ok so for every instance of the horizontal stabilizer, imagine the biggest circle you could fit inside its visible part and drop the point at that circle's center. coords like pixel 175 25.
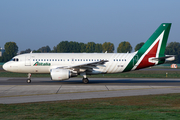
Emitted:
pixel 167 58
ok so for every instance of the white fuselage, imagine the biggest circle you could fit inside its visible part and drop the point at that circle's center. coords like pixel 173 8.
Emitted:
pixel 44 62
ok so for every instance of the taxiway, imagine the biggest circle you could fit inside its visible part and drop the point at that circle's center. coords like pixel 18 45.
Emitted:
pixel 16 90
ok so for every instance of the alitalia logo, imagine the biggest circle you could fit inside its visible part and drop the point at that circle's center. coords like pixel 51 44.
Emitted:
pixel 42 64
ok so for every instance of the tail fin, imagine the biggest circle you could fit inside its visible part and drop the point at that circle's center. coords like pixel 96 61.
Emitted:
pixel 157 41
pixel 153 48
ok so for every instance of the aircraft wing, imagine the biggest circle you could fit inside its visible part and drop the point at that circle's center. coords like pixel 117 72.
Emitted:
pixel 89 65
pixel 86 66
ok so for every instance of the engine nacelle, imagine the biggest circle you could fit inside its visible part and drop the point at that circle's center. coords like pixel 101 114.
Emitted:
pixel 61 74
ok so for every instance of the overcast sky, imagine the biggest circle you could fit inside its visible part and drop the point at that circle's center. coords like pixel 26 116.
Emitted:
pixel 37 23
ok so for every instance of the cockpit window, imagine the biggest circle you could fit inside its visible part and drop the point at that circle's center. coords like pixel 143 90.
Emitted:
pixel 15 59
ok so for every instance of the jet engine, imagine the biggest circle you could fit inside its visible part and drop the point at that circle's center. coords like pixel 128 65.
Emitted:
pixel 62 74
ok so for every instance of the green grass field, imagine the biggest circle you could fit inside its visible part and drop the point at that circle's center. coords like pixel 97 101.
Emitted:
pixel 152 107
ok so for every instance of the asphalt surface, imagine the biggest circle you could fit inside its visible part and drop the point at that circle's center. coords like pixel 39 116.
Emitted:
pixel 92 81
pixel 16 90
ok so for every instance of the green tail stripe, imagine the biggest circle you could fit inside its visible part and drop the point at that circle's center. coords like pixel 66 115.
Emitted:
pixel 163 27
pixel 164 41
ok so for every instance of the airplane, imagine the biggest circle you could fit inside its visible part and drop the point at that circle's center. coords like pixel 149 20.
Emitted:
pixel 62 66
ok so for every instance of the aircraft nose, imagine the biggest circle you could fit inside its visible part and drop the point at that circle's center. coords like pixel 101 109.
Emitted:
pixel 5 66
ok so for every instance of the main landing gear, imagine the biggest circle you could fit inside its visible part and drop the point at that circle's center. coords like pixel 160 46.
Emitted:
pixel 85 79
pixel 29 78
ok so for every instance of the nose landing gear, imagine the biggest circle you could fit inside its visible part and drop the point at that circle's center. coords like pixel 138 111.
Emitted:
pixel 29 78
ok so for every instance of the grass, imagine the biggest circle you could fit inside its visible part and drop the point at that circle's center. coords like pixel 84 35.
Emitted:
pixel 159 107
pixel 142 74
pixel 10 74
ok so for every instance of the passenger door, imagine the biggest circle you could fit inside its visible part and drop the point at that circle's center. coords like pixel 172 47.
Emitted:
pixel 28 60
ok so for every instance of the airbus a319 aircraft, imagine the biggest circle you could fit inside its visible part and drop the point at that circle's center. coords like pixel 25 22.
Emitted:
pixel 63 66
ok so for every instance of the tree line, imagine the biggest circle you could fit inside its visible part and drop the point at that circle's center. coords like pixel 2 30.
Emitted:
pixel 11 49
pixel 75 47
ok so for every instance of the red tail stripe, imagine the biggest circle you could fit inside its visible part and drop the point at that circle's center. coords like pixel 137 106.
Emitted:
pixel 152 53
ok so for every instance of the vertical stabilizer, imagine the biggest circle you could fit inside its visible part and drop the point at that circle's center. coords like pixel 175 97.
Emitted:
pixel 158 38
pixel 153 48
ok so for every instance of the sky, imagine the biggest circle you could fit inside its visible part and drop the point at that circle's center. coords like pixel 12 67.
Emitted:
pixel 37 23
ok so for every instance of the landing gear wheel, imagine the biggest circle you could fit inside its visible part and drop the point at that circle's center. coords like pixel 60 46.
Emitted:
pixel 29 78
pixel 85 80
pixel 28 81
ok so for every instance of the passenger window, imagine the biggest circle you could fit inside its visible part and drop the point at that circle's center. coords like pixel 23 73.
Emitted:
pixel 116 59
pixel 44 59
